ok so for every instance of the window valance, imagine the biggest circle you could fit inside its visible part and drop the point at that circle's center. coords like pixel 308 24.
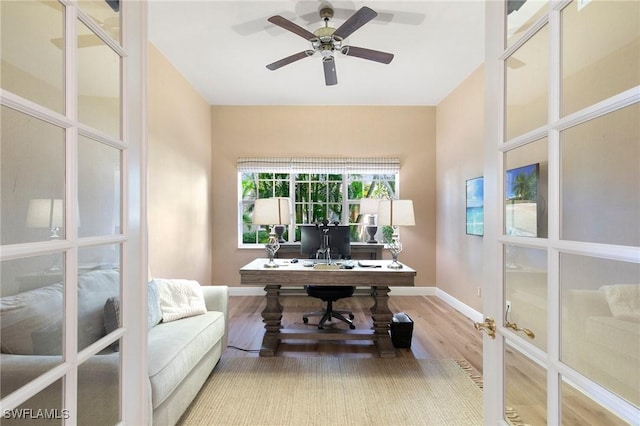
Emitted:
pixel 363 165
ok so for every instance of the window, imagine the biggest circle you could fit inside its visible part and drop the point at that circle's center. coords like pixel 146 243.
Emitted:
pixel 319 189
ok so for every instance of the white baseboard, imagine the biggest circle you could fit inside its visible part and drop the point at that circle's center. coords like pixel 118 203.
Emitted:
pixel 246 291
pixel 465 310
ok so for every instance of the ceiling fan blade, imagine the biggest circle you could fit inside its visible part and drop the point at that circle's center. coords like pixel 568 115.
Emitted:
pixel 356 20
pixel 289 59
pixel 290 26
pixel 84 40
pixel 372 55
pixel 330 76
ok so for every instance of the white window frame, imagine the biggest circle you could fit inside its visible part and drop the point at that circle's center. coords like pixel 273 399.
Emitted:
pixel 346 167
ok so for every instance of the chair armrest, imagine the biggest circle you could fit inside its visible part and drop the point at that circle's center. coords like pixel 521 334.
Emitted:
pixel 216 298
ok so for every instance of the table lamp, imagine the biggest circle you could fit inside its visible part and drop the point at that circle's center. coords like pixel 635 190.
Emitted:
pixel 271 212
pixel 395 213
pixel 369 206
pixel 46 213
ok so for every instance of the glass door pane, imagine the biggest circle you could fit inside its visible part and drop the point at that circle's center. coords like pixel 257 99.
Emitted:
pixel 32 411
pixel 578 410
pixel 98 284
pixel 98 188
pixel 522 15
pixel 105 13
pixel 600 51
pixel 525 390
pixel 525 285
pixel 31 198
pixel 35 27
pixel 99 102
pixel 600 179
pixel 601 322
pixel 31 318
pixel 527 86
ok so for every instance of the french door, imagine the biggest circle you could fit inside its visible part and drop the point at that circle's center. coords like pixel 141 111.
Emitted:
pixel 72 211
pixel 562 226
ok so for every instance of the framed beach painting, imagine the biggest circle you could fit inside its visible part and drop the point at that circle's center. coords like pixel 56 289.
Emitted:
pixel 521 201
pixel 475 206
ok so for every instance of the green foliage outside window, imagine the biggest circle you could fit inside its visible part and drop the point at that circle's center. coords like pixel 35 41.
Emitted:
pixel 316 196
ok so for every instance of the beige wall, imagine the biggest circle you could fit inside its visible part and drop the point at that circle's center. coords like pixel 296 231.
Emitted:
pixel 459 155
pixel 404 132
pixel 179 175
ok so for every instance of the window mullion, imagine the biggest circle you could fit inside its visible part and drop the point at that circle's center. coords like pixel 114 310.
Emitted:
pixel 292 197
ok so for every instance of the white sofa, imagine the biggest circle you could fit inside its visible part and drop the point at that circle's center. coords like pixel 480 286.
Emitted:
pixel 181 353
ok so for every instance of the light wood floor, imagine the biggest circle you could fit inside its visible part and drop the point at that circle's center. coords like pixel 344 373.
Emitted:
pixel 439 332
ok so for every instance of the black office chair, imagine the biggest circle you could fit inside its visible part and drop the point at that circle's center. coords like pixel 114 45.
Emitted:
pixel 330 295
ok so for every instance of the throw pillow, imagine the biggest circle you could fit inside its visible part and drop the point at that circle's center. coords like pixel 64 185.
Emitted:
pixel 623 300
pixel 112 318
pixel 180 299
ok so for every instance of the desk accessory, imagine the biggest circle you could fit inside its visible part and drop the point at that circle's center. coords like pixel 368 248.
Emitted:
pixel 369 206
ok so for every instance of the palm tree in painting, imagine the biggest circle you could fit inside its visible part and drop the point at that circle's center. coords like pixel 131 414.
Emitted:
pixel 524 186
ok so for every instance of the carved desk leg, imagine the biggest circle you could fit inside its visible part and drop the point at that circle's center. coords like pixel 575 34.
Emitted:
pixel 272 318
pixel 381 319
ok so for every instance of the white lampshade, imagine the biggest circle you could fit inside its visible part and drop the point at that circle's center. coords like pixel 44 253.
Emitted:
pixel 271 211
pixel 396 213
pixel 369 205
pixel 45 213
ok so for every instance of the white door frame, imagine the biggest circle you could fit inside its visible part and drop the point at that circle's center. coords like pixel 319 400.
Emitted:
pixel 492 302
pixel 494 238
pixel 134 395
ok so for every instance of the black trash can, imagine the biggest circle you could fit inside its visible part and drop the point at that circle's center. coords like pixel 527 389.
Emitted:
pixel 401 330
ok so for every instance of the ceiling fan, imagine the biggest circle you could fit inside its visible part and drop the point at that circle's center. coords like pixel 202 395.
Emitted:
pixel 327 40
pixel 110 25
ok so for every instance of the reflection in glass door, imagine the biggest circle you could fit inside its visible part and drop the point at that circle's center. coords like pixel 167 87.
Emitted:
pixel 63 218
pixel 566 137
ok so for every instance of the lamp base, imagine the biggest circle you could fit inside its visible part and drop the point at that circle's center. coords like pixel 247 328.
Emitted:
pixel 394 265
pixel 271 248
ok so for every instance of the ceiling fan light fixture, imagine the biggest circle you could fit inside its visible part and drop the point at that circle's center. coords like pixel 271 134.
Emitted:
pixel 327 39
pixel 324 33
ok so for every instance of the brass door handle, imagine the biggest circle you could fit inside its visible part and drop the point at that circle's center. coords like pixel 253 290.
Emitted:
pixel 530 334
pixel 489 326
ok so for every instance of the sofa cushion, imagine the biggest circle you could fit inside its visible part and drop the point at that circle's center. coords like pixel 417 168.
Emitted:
pixel 623 300
pixel 180 298
pixel 176 347
pixel 36 315
pixel 47 340
pixel 25 313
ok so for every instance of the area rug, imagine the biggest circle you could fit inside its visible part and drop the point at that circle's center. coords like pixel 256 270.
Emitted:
pixel 336 391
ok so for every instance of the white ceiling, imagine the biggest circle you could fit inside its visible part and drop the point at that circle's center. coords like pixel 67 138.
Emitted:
pixel 222 48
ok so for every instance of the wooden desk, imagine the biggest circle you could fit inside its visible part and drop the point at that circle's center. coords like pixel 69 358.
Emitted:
pixel 296 274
